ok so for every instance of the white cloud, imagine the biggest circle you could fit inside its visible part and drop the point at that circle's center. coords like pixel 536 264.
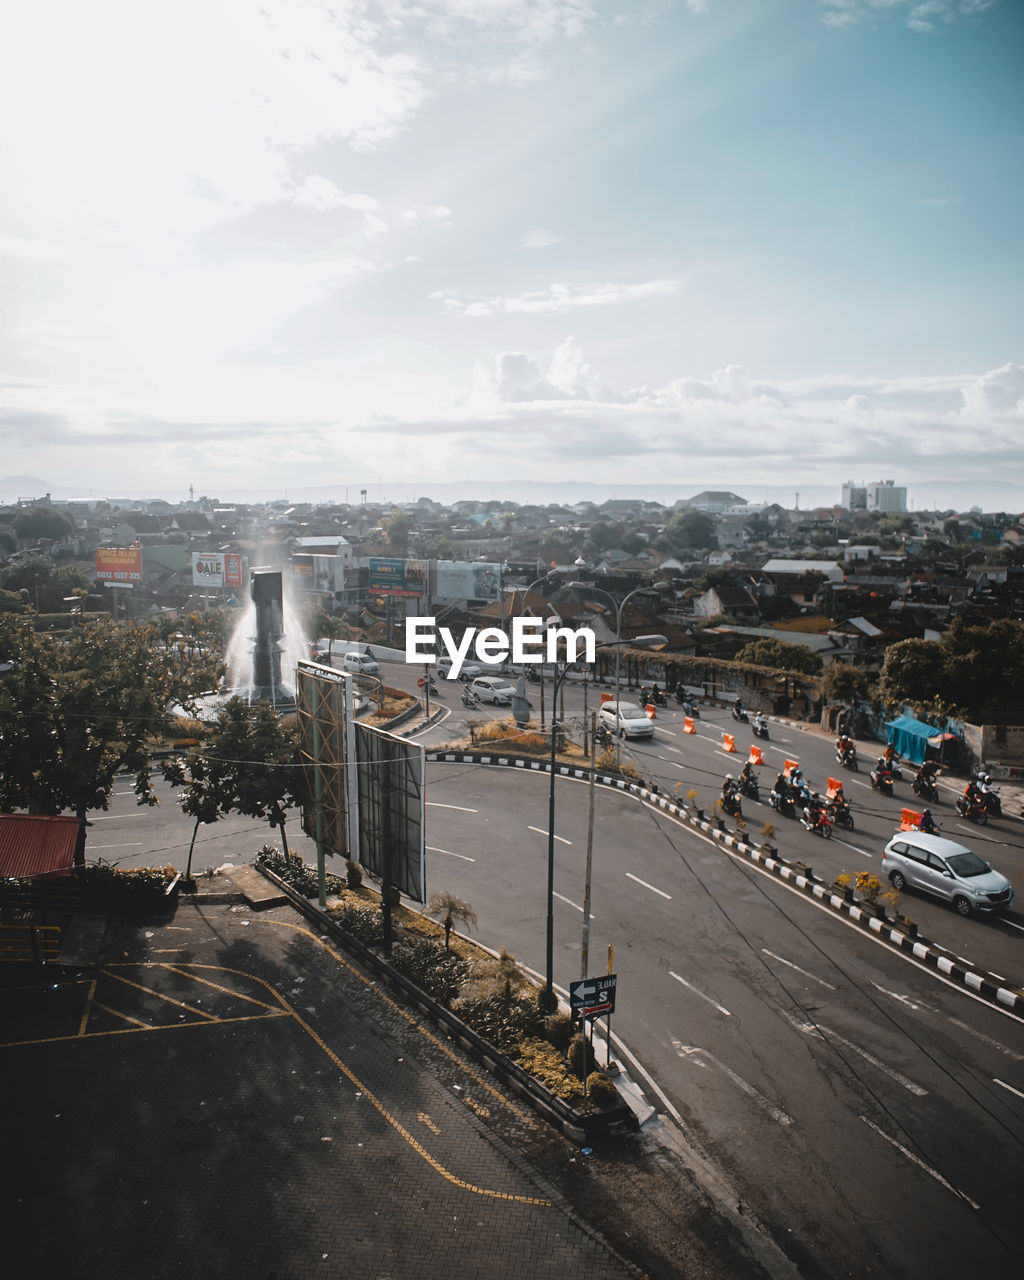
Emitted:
pixel 556 298
pixel 540 238
pixel 919 15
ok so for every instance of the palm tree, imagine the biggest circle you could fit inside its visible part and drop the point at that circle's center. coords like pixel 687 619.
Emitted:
pixel 450 910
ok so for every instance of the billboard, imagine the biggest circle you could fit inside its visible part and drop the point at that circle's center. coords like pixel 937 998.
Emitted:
pixel 391 809
pixel 323 716
pixel 318 573
pixel 119 564
pixel 462 580
pixel 216 569
pixel 398 577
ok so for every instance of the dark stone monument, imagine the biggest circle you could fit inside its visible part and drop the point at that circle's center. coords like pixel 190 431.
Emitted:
pixel 266 592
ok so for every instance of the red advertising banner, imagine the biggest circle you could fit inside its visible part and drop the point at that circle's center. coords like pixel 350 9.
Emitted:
pixel 232 570
pixel 119 564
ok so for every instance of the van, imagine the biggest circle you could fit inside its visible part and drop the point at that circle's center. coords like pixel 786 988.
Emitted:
pixel 360 664
pixel 946 870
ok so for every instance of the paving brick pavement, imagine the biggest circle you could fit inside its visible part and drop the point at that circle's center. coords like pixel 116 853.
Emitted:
pixel 227 1096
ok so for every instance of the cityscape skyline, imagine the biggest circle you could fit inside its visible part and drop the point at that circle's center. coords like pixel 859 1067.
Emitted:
pixel 768 243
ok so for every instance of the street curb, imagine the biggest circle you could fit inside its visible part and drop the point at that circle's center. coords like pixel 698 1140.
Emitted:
pixel 611 1123
pixel 989 986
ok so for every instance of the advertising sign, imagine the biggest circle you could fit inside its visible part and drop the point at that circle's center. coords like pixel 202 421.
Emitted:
pixel 398 577
pixel 119 564
pixel 216 569
pixel 461 580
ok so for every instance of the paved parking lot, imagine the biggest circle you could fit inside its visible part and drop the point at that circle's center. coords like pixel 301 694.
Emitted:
pixel 227 1095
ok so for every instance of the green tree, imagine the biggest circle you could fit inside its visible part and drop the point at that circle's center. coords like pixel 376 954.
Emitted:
pixel 42 522
pixel 449 911
pixel 984 669
pixel 76 712
pixel 914 672
pixel 249 764
pixel 777 653
pixel 689 531
pixel 844 683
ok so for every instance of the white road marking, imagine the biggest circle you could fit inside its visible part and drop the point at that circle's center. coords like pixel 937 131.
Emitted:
pixel 668 732
pixel 132 844
pixel 1013 925
pixel 1002 1083
pixel 846 845
pixel 823 1033
pixel 541 832
pixel 920 1007
pixel 791 965
pixel 114 817
pixel 857 783
pixel 674 749
pixel 690 987
pixel 689 1050
pixel 435 804
pixel 631 876
pixel 569 903
pixel 920 1163
pixel 448 853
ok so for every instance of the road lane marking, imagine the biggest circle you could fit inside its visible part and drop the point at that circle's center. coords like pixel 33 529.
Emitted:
pixel 432 848
pixel 541 832
pixel 823 1033
pixel 1002 1083
pixel 675 749
pixel 116 817
pixel 1013 925
pixel 130 844
pixel 920 1163
pixel 436 804
pixel 846 845
pixel 791 965
pixel 690 987
pixel 569 903
pixel 919 1006
pixel 690 1050
pixel 631 876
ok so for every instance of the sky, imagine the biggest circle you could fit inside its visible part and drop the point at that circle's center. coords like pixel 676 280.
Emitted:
pixel 314 248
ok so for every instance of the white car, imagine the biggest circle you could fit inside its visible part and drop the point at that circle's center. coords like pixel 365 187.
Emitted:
pixel 626 719
pixel 467 671
pixel 946 869
pixel 359 662
pixel 494 689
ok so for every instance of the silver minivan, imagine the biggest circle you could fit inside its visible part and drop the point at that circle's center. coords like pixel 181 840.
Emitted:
pixel 946 869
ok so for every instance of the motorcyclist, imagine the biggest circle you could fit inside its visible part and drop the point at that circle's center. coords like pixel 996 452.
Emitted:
pixel 747 773
pixel 927 772
pixel 928 823
pixel 974 793
pixel 844 746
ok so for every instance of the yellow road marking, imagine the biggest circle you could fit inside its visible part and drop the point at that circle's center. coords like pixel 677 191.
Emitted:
pixel 91 995
pixel 147 1026
pixel 170 999
pixel 217 987
pixel 439 1044
pixel 423 1118
pixel 132 1031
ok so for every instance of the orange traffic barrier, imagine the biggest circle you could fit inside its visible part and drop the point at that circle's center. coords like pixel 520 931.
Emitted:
pixel 755 755
pixel 728 742
pixel 688 725
pixel 789 765
pixel 607 697
pixel 652 713
pixel 910 819
pixel 834 788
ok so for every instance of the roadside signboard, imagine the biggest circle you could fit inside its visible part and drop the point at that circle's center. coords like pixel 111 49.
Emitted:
pixel 592 996
pixel 119 565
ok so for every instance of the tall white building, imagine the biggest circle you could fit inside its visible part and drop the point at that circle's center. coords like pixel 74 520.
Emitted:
pixel 885 496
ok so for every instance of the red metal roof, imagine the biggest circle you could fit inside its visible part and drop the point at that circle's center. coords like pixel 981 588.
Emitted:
pixel 32 845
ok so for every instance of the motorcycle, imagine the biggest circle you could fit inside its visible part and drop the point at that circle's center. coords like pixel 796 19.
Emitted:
pixel 881 780
pixel 739 714
pixel 839 814
pixel 990 798
pixel 657 697
pixel 731 804
pixel 972 810
pixel 926 789
pixel 816 820
pixel 782 804
pixel 750 788
pixel 847 759
pixel 603 737
pixel 690 709
pixel 760 727
pixel 469 698
pixel 894 768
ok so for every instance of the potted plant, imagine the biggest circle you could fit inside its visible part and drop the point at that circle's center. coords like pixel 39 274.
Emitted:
pixel 767 836
pixel 691 800
pixel 844 883
pixel 870 887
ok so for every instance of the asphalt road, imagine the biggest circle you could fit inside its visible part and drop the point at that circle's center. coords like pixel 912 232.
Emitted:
pixel 870 1115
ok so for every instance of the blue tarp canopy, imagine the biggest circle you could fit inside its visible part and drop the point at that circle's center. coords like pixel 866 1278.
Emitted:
pixel 910 737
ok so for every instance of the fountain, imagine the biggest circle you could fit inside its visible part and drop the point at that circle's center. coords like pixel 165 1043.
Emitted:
pixel 267 639
pixel 260 642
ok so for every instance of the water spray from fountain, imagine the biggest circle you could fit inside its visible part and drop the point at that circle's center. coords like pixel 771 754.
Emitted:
pixel 267 642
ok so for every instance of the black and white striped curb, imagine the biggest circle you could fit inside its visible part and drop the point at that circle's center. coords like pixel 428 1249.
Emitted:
pixel 988 986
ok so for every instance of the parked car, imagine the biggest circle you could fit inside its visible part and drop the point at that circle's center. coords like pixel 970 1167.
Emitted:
pixel 626 719
pixel 947 870
pixel 494 689
pixel 467 671
pixel 361 664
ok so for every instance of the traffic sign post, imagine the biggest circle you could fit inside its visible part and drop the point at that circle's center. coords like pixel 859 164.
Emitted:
pixel 591 996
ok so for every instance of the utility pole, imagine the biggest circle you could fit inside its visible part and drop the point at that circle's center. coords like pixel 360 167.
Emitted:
pixel 585 947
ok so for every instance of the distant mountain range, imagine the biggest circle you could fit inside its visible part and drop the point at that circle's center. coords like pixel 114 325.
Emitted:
pixel 928 495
